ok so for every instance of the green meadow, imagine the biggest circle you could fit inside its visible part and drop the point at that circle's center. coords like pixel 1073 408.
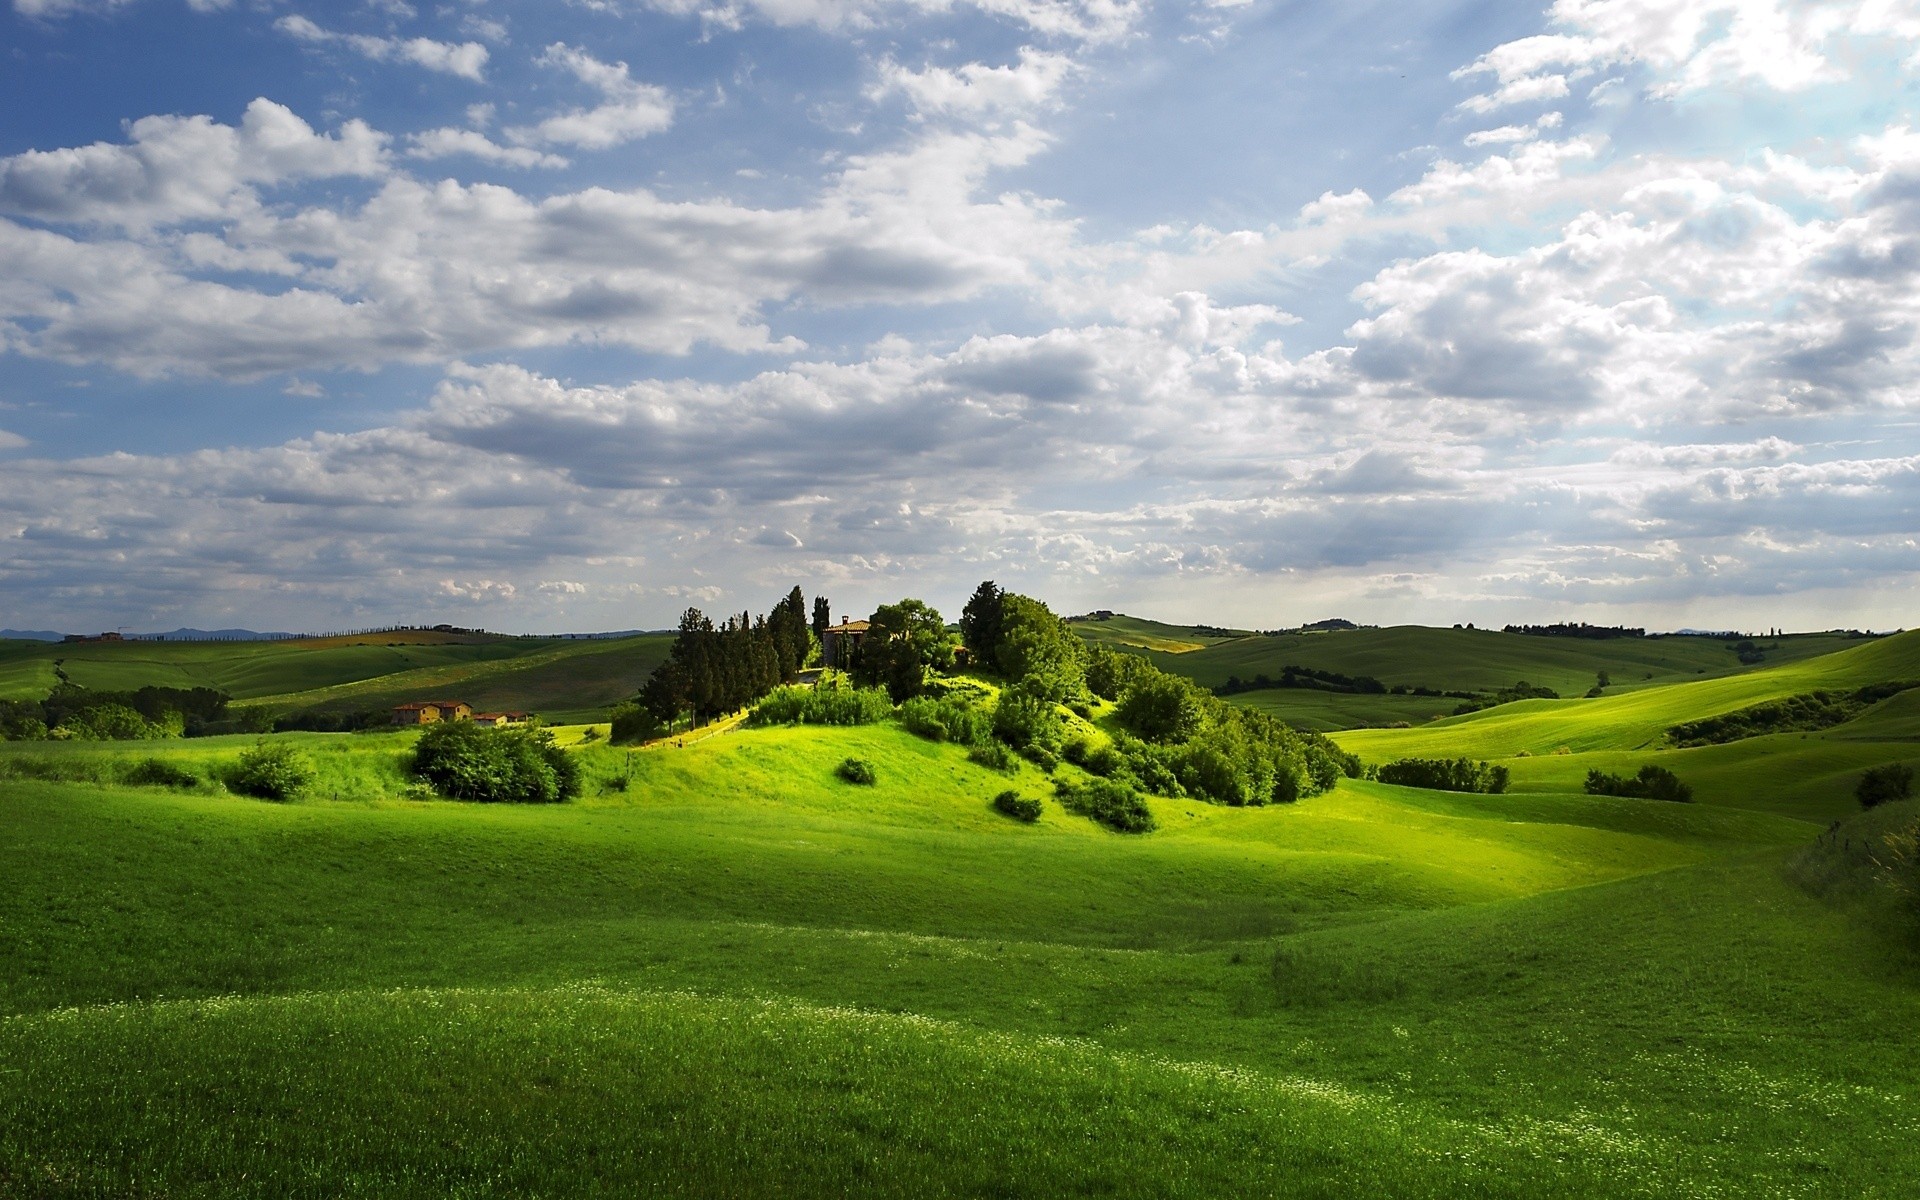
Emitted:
pixel 724 971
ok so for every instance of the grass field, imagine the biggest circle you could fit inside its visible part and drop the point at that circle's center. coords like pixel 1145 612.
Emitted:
pixel 724 972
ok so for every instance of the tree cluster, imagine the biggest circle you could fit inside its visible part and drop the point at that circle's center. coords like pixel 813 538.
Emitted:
pixel 1651 783
pixel 1444 774
pixel 73 711
pixel 716 669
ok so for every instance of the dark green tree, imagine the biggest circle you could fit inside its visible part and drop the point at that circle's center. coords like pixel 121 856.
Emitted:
pixel 980 625
pixel 902 641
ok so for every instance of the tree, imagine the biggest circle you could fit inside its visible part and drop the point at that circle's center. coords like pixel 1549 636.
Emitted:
pixel 822 618
pixel 791 640
pixel 1038 648
pixel 980 624
pixel 902 641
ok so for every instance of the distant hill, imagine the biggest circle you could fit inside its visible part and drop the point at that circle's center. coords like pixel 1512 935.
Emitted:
pixel 30 635
pixel 216 635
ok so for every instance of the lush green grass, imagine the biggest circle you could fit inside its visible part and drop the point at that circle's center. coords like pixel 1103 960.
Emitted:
pixel 723 971
pixel 563 678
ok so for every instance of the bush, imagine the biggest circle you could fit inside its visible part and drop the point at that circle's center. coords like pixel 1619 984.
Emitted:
pixel 949 719
pixel 1021 719
pixel 1162 708
pixel 1878 785
pixel 1020 808
pixel 856 770
pixel 1444 774
pixel 633 723
pixel 270 771
pixel 1040 757
pixel 994 757
pixel 1652 783
pixel 1112 804
pixel 463 761
pixel 158 772
pixel 822 706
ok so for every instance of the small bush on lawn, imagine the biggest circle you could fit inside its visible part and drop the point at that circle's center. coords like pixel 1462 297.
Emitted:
pixel 1445 774
pixel 1652 783
pixel 632 723
pixel 994 757
pixel 1114 805
pixel 158 772
pixel 856 770
pixel 1020 808
pixel 270 771
pixel 1894 781
pixel 463 761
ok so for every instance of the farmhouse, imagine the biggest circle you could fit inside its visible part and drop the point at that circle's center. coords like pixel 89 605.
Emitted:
pixel 842 643
pixel 428 712
pixel 497 719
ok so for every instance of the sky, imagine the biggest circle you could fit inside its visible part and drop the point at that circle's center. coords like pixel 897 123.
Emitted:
pixel 567 316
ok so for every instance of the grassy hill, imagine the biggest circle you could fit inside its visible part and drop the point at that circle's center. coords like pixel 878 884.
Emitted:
pixel 1549 745
pixel 1141 634
pixel 565 679
pixel 724 971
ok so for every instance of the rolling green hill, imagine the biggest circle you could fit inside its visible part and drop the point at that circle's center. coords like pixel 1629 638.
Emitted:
pixel 1141 634
pixel 1807 774
pixel 723 971
pixel 562 678
pixel 1484 660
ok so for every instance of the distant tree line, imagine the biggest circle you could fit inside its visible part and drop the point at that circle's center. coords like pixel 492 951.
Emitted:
pixel 1579 629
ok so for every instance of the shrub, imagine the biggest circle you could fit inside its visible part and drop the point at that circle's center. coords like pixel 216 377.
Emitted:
pixel 1894 781
pixel 1445 774
pixel 270 771
pixel 1077 751
pixel 1652 783
pixel 1020 808
pixel 1021 719
pixel 1112 804
pixel 856 770
pixel 949 719
pixel 994 757
pixel 1040 757
pixel 463 761
pixel 822 706
pixel 158 772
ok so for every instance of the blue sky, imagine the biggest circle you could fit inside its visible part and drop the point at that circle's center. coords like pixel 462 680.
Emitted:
pixel 565 316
